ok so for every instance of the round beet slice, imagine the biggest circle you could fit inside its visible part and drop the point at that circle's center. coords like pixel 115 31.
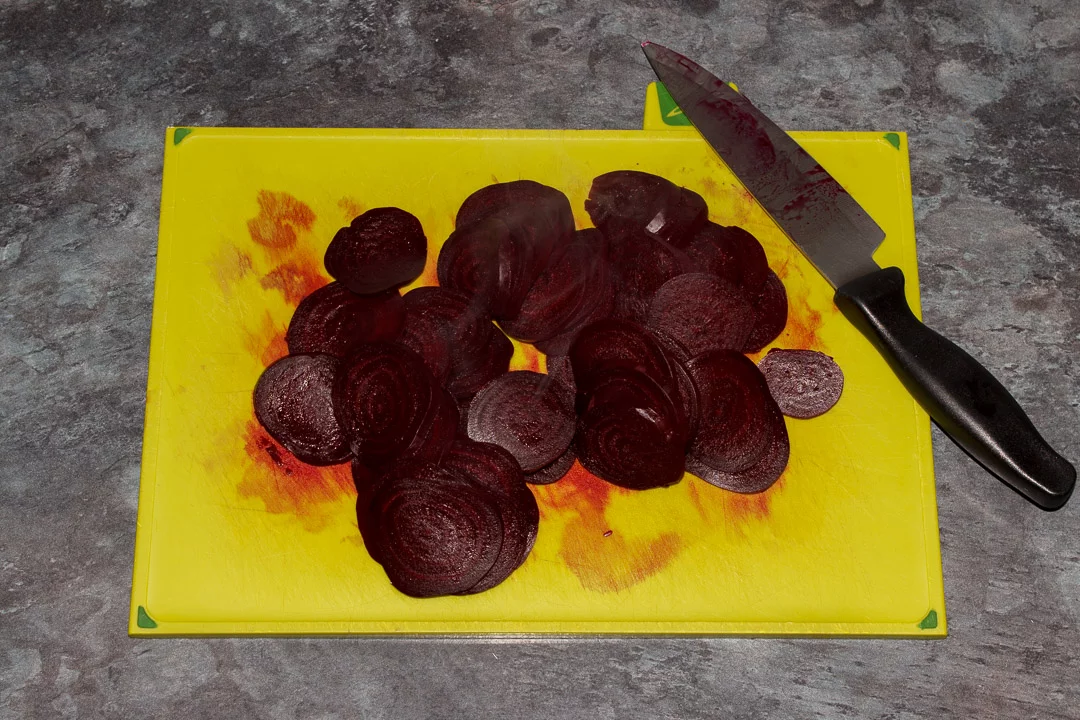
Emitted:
pixel 383 398
pixel 438 430
pixel 629 447
pixel 569 289
pixel 730 253
pixel 367 483
pixel 382 249
pixel 527 415
pixel 738 418
pixel 650 203
pixel 293 402
pixel 770 314
pixel 701 312
pixel 640 265
pixel 435 532
pixel 333 320
pixel 471 368
pixel 609 344
pixel 630 388
pixel 560 372
pixel 549 205
pixel 804 383
pixel 757 478
pixel 555 471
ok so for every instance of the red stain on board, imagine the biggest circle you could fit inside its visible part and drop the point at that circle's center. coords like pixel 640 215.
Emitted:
pixel 286 485
pixel 295 280
pixel 280 216
pixel 265 340
pixel 602 558
pixel 351 208
pixel 230 266
pixel 526 357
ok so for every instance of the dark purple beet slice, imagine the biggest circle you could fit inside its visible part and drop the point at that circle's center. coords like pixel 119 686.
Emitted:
pixel 293 403
pixel 382 249
pixel 626 387
pixel 569 289
pixel 494 468
pixel 438 430
pixel 650 203
pixel 555 471
pixel 549 207
pixel 559 345
pixel 804 383
pixel 560 372
pixel 629 447
pixel 609 344
pixel 770 314
pixel 702 313
pixel 469 263
pixel 333 320
pixel 435 532
pixel 525 414
pixel 383 397
pixel 367 483
pixel 640 265
pixel 472 368
pixel 732 254
pixel 738 419
pixel 757 478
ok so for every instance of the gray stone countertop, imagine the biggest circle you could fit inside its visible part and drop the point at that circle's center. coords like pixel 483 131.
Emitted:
pixel 988 91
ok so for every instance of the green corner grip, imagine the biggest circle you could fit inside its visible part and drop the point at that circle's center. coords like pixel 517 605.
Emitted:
pixel 670 112
pixel 143 620
pixel 894 140
pixel 179 134
pixel 927 623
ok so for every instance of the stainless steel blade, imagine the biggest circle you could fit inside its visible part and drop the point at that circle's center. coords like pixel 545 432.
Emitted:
pixel 814 210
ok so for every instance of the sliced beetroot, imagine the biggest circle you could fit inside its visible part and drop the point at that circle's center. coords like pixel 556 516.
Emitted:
pixel 560 372
pixel 738 418
pixel 438 430
pixel 610 344
pixel 640 265
pixel 293 402
pixel 629 446
pixel 770 314
pixel 333 320
pixel 804 383
pixel 559 345
pixel 625 387
pixel 494 468
pixel 757 478
pixel 367 483
pixel 471 368
pixel 549 207
pixel 731 253
pixel 382 249
pixel 571 287
pixel 526 415
pixel 434 531
pixel 384 397
pixel 651 204
pixel 702 313
pixel 555 471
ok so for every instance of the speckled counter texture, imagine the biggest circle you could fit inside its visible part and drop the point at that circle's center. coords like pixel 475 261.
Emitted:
pixel 988 91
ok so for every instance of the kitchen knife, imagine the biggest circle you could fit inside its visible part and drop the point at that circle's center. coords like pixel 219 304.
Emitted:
pixel 834 232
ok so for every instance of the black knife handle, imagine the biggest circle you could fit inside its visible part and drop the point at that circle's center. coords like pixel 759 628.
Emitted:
pixel 962 397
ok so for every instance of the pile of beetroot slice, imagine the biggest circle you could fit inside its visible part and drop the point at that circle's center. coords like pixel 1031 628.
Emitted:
pixel 645 320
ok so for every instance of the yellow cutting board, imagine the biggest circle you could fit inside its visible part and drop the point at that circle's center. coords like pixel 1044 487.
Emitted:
pixel 235 537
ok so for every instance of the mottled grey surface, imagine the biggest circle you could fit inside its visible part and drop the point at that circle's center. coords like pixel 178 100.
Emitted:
pixel 987 89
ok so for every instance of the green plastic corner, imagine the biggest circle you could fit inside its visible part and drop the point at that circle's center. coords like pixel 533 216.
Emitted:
pixel 930 621
pixel 670 112
pixel 179 134
pixel 894 140
pixel 142 619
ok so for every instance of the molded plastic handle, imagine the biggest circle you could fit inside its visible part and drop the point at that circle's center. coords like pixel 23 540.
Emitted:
pixel 962 397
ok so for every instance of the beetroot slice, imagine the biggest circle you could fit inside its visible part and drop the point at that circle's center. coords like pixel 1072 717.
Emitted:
pixel 612 343
pixel 382 249
pixel 640 265
pixel 526 415
pixel 625 387
pixel 438 430
pixel 435 532
pixel 383 398
pixel 629 447
pixel 738 419
pixel 333 320
pixel 770 314
pixel 702 312
pixel 293 403
pixel 732 254
pixel 757 478
pixel 804 383
pixel 473 367
pixel 568 290
pixel 560 372
pixel 492 467
pixel 367 483
pixel 554 471
pixel 651 204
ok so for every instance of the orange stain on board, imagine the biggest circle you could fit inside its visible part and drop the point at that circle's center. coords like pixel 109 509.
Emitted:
pixel 286 485
pixel 265 340
pixel 603 558
pixel 351 208
pixel 280 216
pixel 525 357
pixel 295 280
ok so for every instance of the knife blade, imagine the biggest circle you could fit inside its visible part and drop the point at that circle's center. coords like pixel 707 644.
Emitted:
pixel 839 238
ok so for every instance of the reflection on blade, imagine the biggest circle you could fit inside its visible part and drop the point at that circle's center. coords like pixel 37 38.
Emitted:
pixel 815 211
